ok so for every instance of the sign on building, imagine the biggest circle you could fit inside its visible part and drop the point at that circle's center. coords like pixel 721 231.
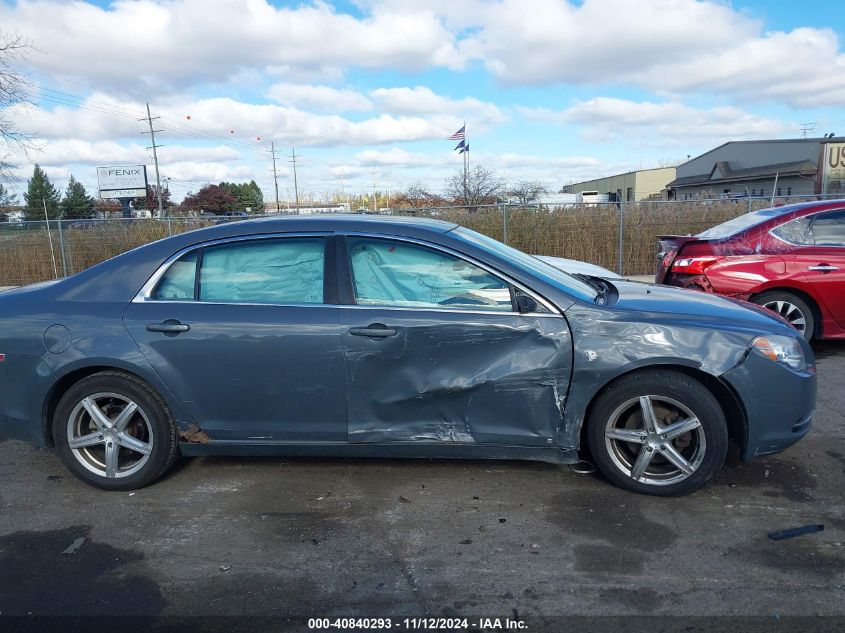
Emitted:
pixel 122 181
pixel 833 173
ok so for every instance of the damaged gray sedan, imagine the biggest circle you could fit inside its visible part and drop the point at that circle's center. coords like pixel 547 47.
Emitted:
pixel 359 336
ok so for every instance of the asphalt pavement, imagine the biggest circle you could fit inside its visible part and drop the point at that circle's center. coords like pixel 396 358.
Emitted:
pixel 268 536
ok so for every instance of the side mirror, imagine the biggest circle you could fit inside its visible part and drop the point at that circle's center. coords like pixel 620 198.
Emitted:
pixel 524 303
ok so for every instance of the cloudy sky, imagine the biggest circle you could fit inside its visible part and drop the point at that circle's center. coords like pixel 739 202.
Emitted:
pixel 368 91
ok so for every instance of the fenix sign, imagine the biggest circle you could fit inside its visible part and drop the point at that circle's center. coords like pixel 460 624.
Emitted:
pixel 122 181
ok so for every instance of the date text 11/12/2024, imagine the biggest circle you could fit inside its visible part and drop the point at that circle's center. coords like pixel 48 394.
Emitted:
pixel 418 624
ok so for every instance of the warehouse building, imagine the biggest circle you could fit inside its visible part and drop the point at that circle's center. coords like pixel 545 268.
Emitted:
pixel 802 167
pixel 631 186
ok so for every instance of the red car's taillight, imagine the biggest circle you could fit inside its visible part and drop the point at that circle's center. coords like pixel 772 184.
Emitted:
pixel 692 265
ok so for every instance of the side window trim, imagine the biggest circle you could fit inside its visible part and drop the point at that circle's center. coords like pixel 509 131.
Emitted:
pixel 347 291
pixel 145 294
pixel 197 271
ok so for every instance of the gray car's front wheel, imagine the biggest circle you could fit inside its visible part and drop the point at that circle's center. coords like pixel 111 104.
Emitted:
pixel 113 431
pixel 658 432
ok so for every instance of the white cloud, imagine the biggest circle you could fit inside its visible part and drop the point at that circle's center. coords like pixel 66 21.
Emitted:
pixel 422 100
pixel 76 151
pixel 666 46
pixel 322 98
pixel 613 120
pixel 143 44
pixel 395 157
pixel 227 121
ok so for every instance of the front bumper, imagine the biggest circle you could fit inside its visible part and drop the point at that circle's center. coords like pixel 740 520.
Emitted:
pixel 779 403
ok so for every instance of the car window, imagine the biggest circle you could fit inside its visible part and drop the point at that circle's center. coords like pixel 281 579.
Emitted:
pixel 828 229
pixel 263 271
pixel 390 273
pixel 537 268
pixel 745 221
pixel 795 232
pixel 177 284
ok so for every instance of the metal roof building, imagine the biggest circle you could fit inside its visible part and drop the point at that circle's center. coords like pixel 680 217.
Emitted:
pixel 784 167
pixel 630 186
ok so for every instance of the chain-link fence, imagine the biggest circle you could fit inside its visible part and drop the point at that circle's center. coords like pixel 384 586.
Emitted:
pixel 36 251
pixel 619 236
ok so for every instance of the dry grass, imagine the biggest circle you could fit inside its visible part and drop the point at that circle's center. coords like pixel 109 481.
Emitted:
pixel 587 233
pixel 591 233
pixel 25 253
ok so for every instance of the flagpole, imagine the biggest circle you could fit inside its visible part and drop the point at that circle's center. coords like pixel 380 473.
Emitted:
pixel 466 162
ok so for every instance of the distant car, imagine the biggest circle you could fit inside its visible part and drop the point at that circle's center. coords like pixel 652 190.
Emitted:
pixel 577 267
pixel 789 259
pixel 393 337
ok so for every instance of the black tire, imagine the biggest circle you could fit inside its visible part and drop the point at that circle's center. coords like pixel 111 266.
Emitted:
pixel 702 448
pixel 791 307
pixel 149 424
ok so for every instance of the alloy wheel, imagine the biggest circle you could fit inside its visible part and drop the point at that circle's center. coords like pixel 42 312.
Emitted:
pixel 655 440
pixel 790 312
pixel 110 435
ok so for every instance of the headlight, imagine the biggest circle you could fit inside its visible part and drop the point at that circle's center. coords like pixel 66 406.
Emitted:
pixel 785 350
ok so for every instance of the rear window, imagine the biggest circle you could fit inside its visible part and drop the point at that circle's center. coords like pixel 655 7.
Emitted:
pixel 732 227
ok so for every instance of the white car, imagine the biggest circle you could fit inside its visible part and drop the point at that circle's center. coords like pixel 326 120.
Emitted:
pixel 575 267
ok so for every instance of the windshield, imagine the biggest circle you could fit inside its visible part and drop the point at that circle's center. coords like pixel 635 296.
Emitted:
pixel 732 227
pixel 546 272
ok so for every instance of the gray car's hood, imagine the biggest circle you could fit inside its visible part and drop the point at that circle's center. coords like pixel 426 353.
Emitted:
pixel 696 306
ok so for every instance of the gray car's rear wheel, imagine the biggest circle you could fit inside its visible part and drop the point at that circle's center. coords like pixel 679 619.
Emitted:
pixel 792 308
pixel 658 432
pixel 113 431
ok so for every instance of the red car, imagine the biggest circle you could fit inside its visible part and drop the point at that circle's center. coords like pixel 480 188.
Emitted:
pixel 790 259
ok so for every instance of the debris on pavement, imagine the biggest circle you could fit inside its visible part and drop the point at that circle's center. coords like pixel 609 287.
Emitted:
pixel 74 547
pixel 799 531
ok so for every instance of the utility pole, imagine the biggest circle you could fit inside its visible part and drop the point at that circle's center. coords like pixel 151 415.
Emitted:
pixel 149 119
pixel 375 196
pixel 295 185
pixel 275 175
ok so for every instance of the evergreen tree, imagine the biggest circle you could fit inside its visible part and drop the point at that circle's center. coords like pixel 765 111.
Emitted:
pixel 38 192
pixel 76 202
pixel 248 195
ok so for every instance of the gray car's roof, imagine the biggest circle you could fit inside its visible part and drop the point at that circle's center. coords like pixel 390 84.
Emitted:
pixel 326 222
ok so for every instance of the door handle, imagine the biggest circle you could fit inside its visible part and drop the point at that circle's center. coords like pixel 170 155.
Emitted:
pixel 376 330
pixel 824 268
pixel 168 327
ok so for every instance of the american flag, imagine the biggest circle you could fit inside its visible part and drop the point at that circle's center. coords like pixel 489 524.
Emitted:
pixel 458 136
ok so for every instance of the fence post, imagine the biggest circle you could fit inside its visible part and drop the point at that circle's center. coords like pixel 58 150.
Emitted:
pixel 62 247
pixel 169 229
pixel 621 235
pixel 504 222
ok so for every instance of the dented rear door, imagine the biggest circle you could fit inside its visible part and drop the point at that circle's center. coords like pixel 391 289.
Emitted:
pixel 455 373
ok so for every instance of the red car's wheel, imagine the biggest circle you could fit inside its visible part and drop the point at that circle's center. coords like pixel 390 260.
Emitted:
pixel 792 308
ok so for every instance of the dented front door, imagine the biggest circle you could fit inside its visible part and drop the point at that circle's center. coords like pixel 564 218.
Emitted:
pixel 456 377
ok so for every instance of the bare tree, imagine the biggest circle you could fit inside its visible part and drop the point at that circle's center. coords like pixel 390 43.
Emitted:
pixel 527 192
pixel 481 186
pixel 13 91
